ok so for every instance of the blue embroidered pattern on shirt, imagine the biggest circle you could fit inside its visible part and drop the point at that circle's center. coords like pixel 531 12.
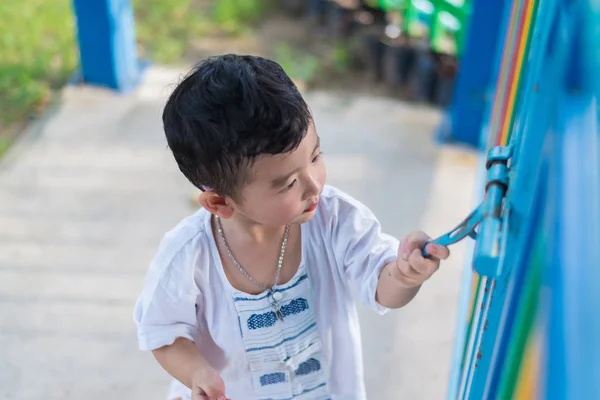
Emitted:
pixel 269 319
pixel 308 366
pixel 265 320
pixel 295 307
pixel 271 379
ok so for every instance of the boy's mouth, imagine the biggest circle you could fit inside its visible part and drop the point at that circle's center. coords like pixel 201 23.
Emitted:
pixel 311 208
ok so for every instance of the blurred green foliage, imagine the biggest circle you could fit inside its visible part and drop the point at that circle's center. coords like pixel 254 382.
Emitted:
pixel 38 49
pixel 5 143
pixel 300 66
pixel 235 16
pixel 37 54
pixel 165 28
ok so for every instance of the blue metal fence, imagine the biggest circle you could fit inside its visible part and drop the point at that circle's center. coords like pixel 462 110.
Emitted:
pixel 107 45
pixel 535 329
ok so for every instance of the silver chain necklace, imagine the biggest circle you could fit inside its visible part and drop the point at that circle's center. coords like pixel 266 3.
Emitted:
pixel 274 297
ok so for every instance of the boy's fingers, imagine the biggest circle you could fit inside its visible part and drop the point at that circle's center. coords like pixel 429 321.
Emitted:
pixel 200 394
pixel 422 265
pixel 414 240
pixel 210 393
pixel 215 394
pixel 438 251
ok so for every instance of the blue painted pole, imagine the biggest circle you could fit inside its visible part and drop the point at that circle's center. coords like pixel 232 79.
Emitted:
pixel 541 91
pixel 475 82
pixel 559 77
pixel 107 45
pixel 474 132
pixel 572 355
pixel 573 278
pixel 528 140
pixel 464 306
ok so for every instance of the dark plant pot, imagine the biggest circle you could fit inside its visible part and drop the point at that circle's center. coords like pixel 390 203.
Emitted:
pixel 399 61
pixel 423 78
pixel 358 30
pixel 317 12
pixel 365 42
pixel 294 8
pixel 339 21
pixel 444 90
pixel 378 14
pixel 446 72
pixel 356 50
pixel 375 50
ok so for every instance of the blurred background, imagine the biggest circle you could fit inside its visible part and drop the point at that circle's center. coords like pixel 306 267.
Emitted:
pixel 405 99
pixel 333 44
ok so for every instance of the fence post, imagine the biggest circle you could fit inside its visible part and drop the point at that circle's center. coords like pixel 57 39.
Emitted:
pixel 535 330
pixel 474 85
pixel 107 44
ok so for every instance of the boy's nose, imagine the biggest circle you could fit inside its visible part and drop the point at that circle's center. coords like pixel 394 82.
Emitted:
pixel 313 188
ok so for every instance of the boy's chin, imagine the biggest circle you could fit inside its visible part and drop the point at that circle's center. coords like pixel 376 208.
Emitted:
pixel 305 217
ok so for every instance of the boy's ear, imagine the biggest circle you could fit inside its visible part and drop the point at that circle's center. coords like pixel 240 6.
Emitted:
pixel 215 204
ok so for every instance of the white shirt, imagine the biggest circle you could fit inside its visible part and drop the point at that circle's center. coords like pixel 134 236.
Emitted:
pixel 186 294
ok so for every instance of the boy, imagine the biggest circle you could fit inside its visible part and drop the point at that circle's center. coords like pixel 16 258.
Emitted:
pixel 250 297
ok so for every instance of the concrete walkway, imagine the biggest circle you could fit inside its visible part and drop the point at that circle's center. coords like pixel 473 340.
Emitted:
pixel 87 194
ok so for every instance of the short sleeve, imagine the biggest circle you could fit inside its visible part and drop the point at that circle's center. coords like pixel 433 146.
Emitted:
pixel 362 250
pixel 166 308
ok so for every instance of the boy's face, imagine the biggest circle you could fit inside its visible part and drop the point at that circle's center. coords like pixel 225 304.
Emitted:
pixel 285 188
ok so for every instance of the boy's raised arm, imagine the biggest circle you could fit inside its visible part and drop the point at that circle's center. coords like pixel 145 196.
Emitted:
pixel 383 272
pixel 401 279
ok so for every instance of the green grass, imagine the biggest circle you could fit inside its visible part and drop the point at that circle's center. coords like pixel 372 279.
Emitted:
pixel 299 65
pixel 38 49
pixel 37 54
pixel 310 68
pixel 4 145
pixel 166 28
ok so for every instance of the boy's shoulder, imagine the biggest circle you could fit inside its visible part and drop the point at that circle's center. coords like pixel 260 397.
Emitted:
pixel 186 234
pixel 336 203
pixel 333 193
pixel 339 211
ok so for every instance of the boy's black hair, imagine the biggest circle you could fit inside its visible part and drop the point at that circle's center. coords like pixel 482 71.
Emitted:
pixel 229 110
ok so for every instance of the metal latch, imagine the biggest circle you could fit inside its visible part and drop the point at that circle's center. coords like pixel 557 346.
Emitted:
pixel 487 216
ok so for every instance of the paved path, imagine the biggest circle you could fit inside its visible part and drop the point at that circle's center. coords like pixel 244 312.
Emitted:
pixel 87 195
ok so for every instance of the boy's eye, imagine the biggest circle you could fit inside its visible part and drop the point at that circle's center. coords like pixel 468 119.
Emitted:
pixel 317 157
pixel 291 185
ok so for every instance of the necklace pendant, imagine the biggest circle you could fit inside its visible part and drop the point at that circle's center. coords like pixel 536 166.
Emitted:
pixel 275 303
pixel 277 309
pixel 279 314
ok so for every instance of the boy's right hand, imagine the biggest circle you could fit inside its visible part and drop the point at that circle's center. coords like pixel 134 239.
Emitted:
pixel 207 384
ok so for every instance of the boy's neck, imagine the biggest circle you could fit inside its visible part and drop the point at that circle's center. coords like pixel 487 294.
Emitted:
pixel 247 232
